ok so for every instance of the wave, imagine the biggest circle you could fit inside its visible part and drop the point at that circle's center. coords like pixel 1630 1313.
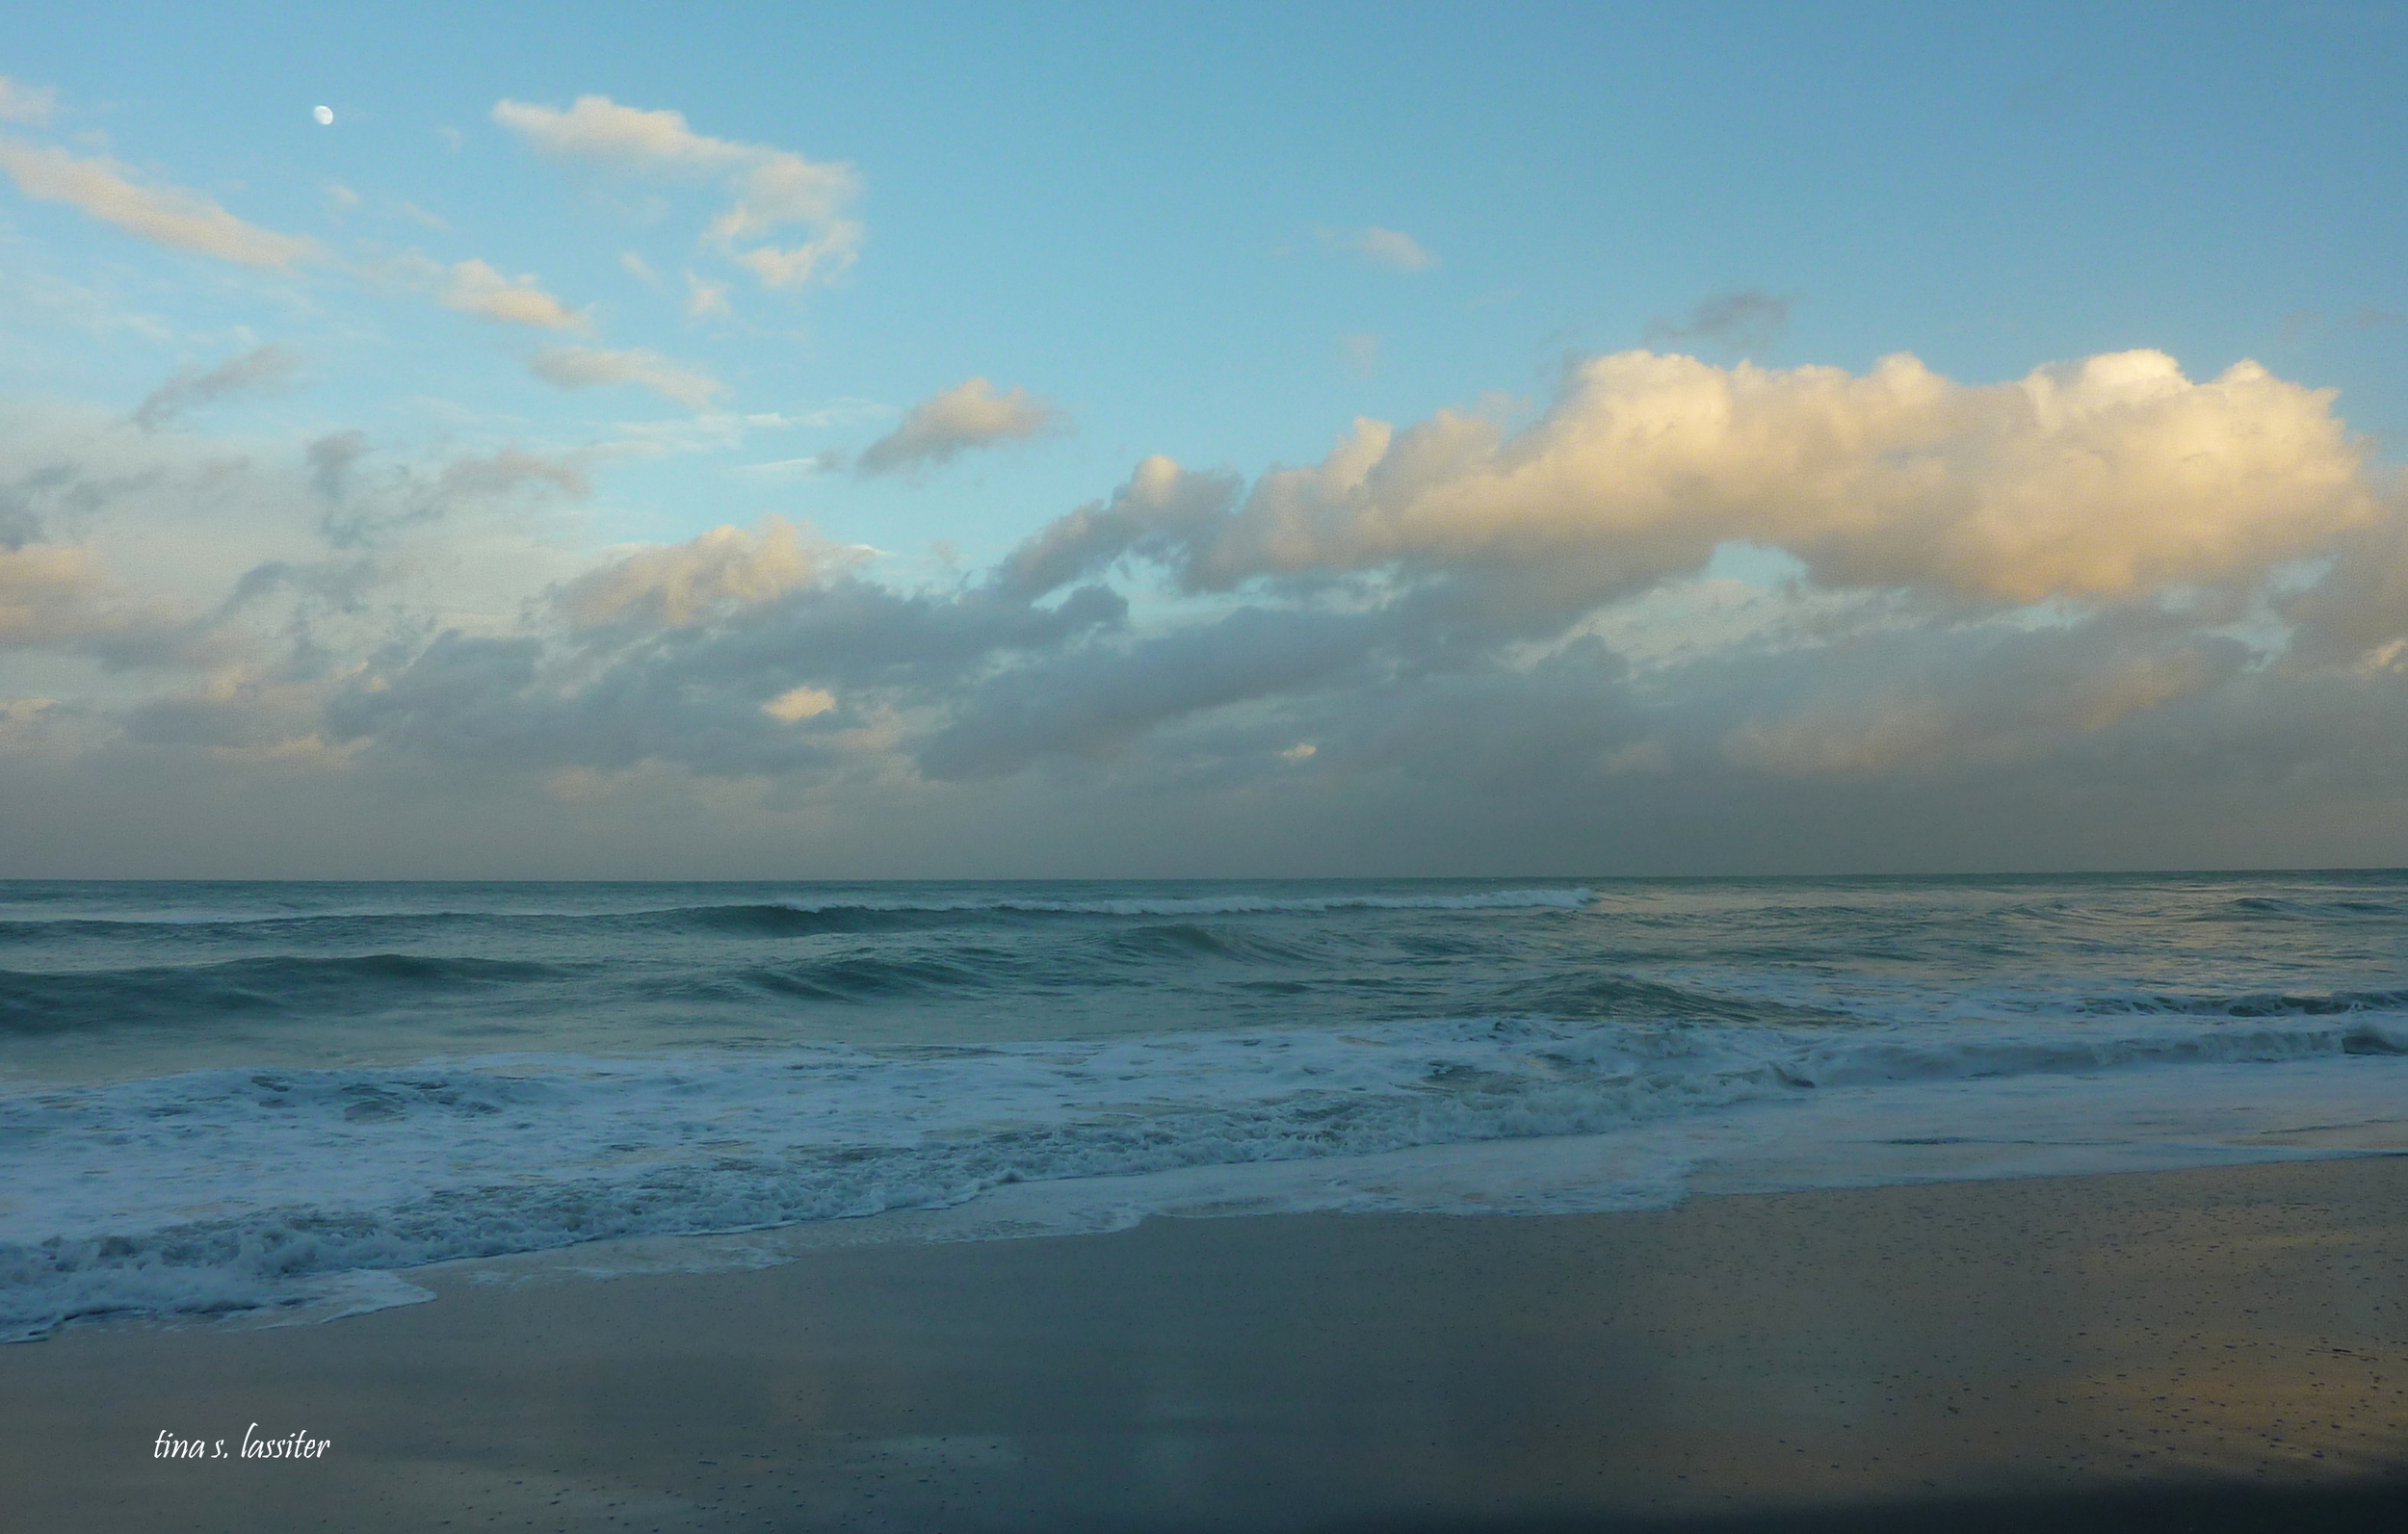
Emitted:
pixel 2247 1005
pixel 798 916
pixel 308 1174
pixel 2269 908
pixel 1629 996
pixel 855 914
pixel 56 1001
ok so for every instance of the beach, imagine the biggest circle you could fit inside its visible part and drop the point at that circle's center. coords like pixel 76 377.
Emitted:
pixel 2204 1348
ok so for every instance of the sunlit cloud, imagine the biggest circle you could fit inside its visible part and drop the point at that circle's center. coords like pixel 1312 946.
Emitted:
pixel 476 287
pixel 772 189
pixel 968 416
pixel 2114 478
pixel 1387 247
pixel 585 366
pixel 725 570
pixel 164 215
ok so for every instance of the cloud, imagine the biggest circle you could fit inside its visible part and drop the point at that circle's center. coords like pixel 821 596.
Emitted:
pixel 1160 513
pixel 264 370
pixel 2111 480
pixel 2357 610
pixel 798 704
pixel 364 502
pixel 177 593
pixel 944 426
pixel 1746 320
pixel 772 189
pixel 706 300
pixel 26 104
pixel 47 594
pixel 584 367
pixel 707 655
pixel 168 216
pixel 792 266
pixel 2300 323
pixel 1388 247
pixel 723 570
pixel 475 287
pixel 1094 701
pixel 2012 619
pixel 598 129
pixel 1360 353
pixel 1991 694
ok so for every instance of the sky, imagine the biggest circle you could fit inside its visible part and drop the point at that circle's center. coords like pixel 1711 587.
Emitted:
pixel 903 441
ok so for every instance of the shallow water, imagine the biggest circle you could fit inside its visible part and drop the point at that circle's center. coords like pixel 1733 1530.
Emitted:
pixel 221 1096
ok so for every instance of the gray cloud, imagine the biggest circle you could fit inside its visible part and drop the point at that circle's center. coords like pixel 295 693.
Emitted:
pixel 1451 646
pixel 704 694
pixel 364 503
pixel 1745 320
pixel 1095 699
pixel 266 370
pixel 2017 624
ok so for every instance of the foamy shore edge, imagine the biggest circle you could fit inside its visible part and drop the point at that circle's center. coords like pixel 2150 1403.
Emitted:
pixel 2235 1335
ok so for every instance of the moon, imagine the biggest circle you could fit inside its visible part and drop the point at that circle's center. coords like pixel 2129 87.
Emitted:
pixel 325 117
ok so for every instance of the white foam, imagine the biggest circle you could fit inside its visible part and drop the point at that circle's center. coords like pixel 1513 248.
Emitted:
pixel 221 1190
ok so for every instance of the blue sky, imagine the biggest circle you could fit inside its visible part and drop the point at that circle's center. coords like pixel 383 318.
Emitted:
pixel 1221 243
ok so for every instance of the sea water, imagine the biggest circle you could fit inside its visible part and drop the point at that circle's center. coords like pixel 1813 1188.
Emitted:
pixel 233 1097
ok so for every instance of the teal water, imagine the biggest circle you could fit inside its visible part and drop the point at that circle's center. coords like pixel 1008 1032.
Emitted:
pixel 215 1096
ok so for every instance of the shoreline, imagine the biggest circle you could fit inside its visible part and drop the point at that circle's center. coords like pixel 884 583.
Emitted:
pixel 2218 1344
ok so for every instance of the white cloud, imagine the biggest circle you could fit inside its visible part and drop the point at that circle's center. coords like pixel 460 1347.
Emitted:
pixel 584 367
pixel 2111 480
pixel 1389 248
pixel 798 704
pixel 599 129
pixel 706 300
pixel 792 266
pixel 969 415
pixel 24 103
pixel 168 216
pixel 475 287
pixel 773 188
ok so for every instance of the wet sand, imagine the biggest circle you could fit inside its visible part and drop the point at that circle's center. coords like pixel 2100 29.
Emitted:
pixel 2223 1349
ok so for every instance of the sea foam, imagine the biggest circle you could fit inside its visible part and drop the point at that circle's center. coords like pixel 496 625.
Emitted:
pixel 221 1190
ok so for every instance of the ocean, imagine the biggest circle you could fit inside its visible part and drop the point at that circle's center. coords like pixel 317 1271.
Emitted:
pixel 263 1098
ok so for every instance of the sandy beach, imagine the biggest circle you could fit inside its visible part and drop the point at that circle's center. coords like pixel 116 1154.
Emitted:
pixel 2209 1349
